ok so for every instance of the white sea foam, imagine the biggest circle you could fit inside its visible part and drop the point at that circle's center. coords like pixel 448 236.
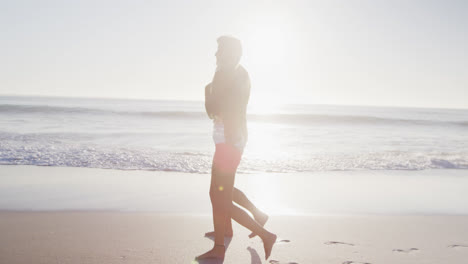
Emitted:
pixel 176 136
pixel 55 151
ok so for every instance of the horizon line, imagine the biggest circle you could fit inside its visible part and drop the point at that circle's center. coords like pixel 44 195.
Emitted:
pixel 201 101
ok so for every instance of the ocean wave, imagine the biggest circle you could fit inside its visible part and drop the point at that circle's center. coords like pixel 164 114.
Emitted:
pixel 68 154
pixel 29 109
pixel 269 118
pixel 347 119
pixel 42 109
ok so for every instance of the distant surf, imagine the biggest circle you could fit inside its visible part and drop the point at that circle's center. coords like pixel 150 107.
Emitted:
pixel 176 136
pixel 274 118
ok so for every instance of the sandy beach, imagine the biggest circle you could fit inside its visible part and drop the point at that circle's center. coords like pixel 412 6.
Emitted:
pixel 128 127
pixel 116 237
pixel 83 215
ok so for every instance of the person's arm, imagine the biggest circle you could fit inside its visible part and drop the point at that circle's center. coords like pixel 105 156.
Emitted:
pixel 209 101
pixel 215 94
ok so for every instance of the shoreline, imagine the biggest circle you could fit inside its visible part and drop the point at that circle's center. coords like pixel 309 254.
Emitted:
pixel 41 188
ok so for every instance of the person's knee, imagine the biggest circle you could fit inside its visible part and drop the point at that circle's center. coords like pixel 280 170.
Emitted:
pixel 215 192
pixel 238 194
pixel 216 195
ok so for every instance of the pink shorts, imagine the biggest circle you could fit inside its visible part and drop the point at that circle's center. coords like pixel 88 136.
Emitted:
pixel 226 157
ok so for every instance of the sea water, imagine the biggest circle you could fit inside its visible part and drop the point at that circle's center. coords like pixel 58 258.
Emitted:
pixel 177 136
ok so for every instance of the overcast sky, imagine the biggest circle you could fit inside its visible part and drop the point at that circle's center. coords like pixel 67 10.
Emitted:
pixel 391 53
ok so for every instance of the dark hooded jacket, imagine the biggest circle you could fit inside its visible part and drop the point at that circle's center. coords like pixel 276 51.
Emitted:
pixel 227 97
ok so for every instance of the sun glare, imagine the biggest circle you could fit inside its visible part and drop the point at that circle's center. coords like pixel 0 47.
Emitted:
pixel 265 44
pixel 262 103
pixel 267 195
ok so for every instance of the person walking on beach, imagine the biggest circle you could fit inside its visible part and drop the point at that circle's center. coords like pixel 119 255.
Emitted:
pixel 226 99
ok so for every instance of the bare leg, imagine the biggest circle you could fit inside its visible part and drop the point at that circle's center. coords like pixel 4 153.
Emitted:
pixel 221 199
pixel 221 202
pixel 241 199
pixel 227 229
pixel 221 194
pixel 241 217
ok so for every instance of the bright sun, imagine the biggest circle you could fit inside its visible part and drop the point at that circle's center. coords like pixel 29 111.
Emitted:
pixel 265 45
pixel 265 49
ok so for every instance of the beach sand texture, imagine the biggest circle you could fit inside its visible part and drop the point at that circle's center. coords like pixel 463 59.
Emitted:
pixel 78 215
pixel 124 237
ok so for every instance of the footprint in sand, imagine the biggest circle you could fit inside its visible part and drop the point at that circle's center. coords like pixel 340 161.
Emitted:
pixel 282 241
pixel 338 243
pixel 357 262
pixel 458 246
pixel 279 262
pixel 405 250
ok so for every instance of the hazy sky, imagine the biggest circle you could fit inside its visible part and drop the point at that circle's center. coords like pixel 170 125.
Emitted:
pixel 397 53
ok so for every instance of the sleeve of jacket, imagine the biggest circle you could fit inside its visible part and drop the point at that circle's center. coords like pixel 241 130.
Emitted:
pixel 236 107
pixel 209 101
pixel 215 95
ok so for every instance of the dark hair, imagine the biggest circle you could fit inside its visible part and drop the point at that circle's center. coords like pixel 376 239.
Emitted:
pixel 232 44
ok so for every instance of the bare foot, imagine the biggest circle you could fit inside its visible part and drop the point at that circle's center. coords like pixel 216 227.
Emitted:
pixel 261 219
pixel 268 243
pixel 212 234
pixel 217 252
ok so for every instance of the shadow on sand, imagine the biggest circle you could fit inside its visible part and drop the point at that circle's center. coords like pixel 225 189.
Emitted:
pixel 254 257
pixel 227 241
